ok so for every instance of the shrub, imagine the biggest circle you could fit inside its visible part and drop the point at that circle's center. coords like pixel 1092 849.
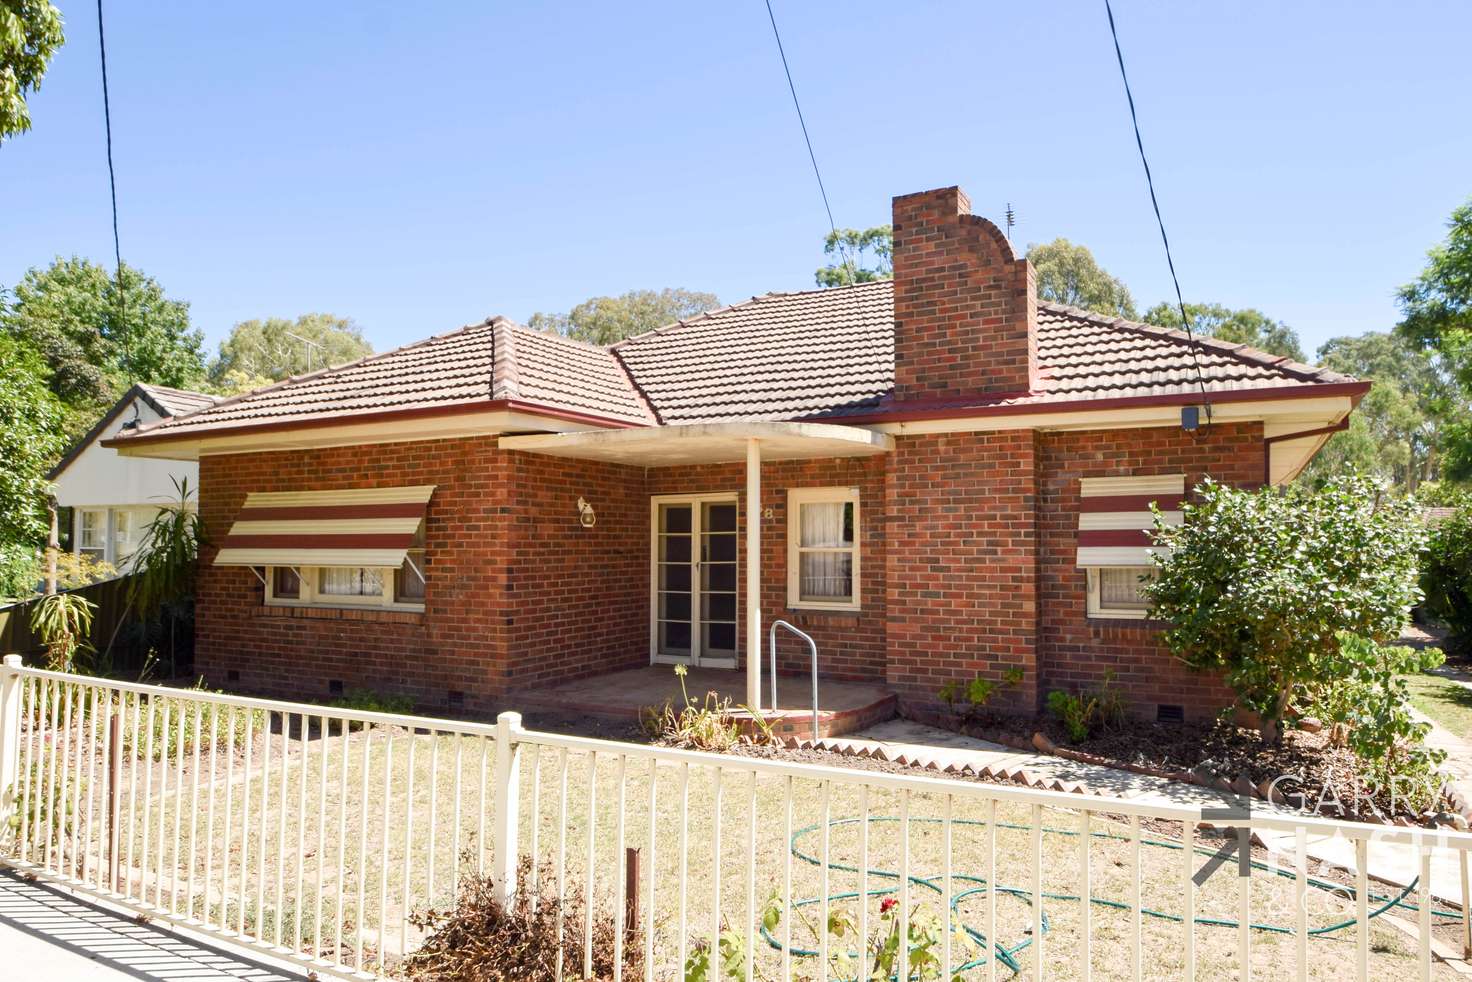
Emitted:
pixel 1260 584
pixel 706 725
pixel 1088 712
pixel 1447 575
pixel 166 743
pixel 967 701
pixel 368 701
pixel 1368 701
pixel 63 621
pixel 481 940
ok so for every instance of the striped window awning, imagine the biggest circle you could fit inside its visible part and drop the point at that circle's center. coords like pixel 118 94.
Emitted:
pixel 1114 518
pixel 356 527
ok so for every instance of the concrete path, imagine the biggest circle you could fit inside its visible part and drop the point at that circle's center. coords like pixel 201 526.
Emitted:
pixel 47 933
pixel 917 742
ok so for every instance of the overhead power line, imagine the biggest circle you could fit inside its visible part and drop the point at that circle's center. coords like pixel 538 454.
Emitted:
pixel 1155 203
pixel 112 183
pixel 832 226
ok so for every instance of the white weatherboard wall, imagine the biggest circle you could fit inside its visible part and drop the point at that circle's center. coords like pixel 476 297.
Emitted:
pixel 122 492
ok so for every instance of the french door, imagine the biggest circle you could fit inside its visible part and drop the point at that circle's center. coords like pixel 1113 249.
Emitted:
pixel 693 580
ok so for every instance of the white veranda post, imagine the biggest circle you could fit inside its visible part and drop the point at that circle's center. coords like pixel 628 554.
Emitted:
pixel 753 573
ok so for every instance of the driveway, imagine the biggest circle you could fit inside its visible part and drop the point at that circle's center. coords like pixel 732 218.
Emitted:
pixel 47 933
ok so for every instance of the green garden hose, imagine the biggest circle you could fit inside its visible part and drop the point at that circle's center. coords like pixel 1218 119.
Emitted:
pixel 1007 954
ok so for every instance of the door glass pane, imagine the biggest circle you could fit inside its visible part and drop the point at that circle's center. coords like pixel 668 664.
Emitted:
pixel 720 640
pixel 674 606
pixel 674 637
pixel 720 518
pixel 674 548
pixel 673 576
pixel 718 576
pixel 719 607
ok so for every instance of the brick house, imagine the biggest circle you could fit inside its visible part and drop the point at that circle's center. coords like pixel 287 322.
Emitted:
pixel 936 477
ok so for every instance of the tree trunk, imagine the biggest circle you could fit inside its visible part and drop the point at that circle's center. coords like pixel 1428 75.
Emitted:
pixel 53 543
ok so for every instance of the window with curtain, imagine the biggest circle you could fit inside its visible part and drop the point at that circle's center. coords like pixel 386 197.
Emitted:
pixel 1114 591
pixel 823 548
pixel 349 581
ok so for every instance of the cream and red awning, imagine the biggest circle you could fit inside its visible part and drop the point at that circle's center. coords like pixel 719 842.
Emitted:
pixel 1114 517
pixel 356 527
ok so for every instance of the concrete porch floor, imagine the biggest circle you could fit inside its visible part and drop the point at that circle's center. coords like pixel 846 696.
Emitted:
pixel 843 707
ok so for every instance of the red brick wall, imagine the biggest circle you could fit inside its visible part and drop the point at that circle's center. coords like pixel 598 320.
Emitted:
pixel 579 597
pixel 1076 650
pixel 962 561
pixel 965 310
pixel 458 643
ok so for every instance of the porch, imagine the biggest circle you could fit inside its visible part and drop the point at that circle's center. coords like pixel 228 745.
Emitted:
pixel 843 707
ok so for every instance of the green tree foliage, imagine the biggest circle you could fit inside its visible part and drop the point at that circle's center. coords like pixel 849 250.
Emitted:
pixel 30 423
pixel 858 256
pixel 1260 584
pixel 1437 307
pixel 258 352
pixel 1397 433
pixel 606 320
pixel 1069 274
pixel 94 343
pixel 1447 575
pixel 1248 326
pixel 30 33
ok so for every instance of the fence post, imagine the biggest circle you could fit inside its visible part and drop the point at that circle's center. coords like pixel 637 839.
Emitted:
pixel 9 738
pixel 114 796
pixel 508 807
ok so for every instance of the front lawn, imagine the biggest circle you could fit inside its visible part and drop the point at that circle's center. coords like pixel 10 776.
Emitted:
pixel 1447 702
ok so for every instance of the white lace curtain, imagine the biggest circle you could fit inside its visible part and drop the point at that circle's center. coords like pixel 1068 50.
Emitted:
pixel 350 581
pixel 825 574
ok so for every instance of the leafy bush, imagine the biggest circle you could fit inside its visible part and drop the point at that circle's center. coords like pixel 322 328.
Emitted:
pixel 482 940
pixel 368 701
pixel 1447 575
pixel 967 701
pixel 1091 710
pixel 1261 583
pixel 1368 701
pixel 167 744
pixel 79 569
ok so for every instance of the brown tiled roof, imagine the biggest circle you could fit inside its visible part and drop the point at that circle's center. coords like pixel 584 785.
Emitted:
pixel 827 353
pixel 481 363
pixel 784 356
pixel 781 356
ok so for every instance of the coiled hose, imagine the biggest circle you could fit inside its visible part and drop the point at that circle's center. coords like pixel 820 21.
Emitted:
pixel 1006 954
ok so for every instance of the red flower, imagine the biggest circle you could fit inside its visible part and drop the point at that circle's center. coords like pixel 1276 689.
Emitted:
pixel 887 904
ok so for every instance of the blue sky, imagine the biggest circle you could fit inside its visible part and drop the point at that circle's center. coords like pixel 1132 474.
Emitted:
pixel 418 167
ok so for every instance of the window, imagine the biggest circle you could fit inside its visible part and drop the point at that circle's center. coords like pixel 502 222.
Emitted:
pixel 823 548
pixel 338 586
pixel 122 533
pixel 1114 591
pixel 94 534
pixel 286 583
pixel 409 577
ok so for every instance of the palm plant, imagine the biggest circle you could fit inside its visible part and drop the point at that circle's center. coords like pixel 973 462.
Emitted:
pixel 62 621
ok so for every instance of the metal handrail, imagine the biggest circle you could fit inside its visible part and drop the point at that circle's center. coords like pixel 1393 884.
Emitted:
pixel 813 648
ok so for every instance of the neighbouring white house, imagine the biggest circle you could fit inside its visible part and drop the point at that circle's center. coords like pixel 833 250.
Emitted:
pixel 106 498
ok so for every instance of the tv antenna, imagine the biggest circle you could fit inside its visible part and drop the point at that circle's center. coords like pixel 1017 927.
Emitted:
pixel 310 346
pixel 1011 220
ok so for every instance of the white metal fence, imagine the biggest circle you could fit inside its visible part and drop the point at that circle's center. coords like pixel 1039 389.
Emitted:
pixel 326 833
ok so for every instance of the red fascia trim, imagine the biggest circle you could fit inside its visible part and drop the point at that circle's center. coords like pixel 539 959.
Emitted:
pixel 916 410
pixel 453 409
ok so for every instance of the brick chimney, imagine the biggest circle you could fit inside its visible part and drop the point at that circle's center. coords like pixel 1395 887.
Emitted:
pixel 965 308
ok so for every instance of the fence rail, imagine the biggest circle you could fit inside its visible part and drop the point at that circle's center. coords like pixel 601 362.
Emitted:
pixel 339 836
